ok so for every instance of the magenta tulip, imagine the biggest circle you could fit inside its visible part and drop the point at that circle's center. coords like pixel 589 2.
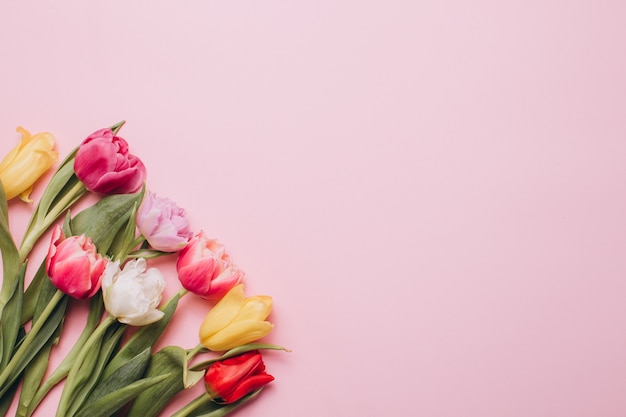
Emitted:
pixel 105 166
pixel 162 223
pixel 205 268
pixel 73 265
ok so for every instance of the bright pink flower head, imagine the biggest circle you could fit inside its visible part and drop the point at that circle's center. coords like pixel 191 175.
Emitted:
pixel 231 379
pixel 104 165
pixel 73 265
pixel 205 269
pixel 163 223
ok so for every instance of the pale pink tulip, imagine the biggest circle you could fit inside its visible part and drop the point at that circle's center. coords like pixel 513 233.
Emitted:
pixel 162 223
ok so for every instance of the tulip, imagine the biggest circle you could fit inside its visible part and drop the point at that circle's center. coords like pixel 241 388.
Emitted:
pixel 231 379
pixel 132 294
pixel 104 165
pixel 33 156
pixel 205 268
pixel 162 223
pixel 73 265
pixel 236 320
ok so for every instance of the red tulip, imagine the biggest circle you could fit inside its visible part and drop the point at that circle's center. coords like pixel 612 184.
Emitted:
pixel 73 265
pixel 104 165
pixel 231 379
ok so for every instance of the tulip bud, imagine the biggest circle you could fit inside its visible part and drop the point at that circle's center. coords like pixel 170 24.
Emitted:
pixel 205 268
pixel 236 320
pixel 73 265
pixel 162 223
pixel 105 166
pixel 231 379
pixel 32 157
pixel 132 294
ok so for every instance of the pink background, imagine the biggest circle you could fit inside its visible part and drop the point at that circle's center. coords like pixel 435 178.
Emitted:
pixel 432 191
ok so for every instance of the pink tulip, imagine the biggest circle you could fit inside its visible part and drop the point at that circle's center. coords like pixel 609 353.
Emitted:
pixel 73 264
pixel 205 269
pixel 162 223
pixel 104 165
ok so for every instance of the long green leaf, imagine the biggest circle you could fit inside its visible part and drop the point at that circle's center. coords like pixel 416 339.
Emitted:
pixel 217 410
pixel 47 330
pixel 235 352
pixel 93 365
pixel 169 361
pixel 143 338
pixel 109 404
pixel 35 371
pixel 59 180
pixel 10 324
pixel 10 256
pixel 31 296
pixel 6 399
pixel 130 372
pixel 102 221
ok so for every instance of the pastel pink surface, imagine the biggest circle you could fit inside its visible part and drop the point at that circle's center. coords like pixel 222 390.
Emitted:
pixel 433 192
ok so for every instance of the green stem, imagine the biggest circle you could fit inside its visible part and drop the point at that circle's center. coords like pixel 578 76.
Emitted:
pixel 71 383
pixel 124 255
pixel 191 353
pixel 31 239
pixel 21 351
pixel 194 405
pixel 64 367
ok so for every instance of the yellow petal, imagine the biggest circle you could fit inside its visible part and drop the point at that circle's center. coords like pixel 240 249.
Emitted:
pixel 26 163
pixel 238 334
pixel 255 308
pixel 24 196
pixel 7 160
pixel 223 312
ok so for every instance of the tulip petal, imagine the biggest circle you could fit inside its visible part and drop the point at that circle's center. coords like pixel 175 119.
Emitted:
pixel 247 386
pixel 237 334
pixel 25 163
pixel 141 320
pixel 255 308
pixel 222 313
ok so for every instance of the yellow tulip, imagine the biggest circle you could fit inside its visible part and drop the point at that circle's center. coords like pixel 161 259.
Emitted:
pixel 236 320
pixel 33 156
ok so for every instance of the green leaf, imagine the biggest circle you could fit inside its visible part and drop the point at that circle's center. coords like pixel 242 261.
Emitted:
pixel 217 410
pixel 31 295
pixel 93 365
pixel 63 190
pixel 95 314
pixel 35 371
pixel 109 404
pixel 48 328
pixel 170 362
pixel 147 253
pixel 235 352
pixel 10 324
pixel 131 371
pixel 58 182
pixel 10 255
pixel 125 237
pixel 102 221
pixel 33 375
pixel 143 338
pixel 6 399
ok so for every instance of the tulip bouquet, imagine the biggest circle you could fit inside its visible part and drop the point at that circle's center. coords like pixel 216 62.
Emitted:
pixel 101 256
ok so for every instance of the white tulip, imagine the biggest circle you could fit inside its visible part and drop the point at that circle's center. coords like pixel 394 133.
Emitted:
pixel 133 294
